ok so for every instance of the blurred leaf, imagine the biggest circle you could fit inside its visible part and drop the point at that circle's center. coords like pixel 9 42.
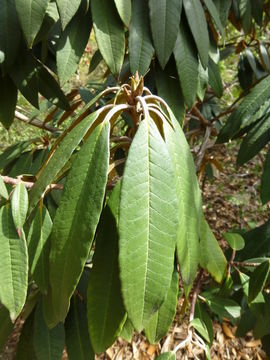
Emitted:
pixel 95 61
pixel 246 323
pixel 25 349
pixel 224 307
pixel 245 72
pixel 223 7
pixel 235 240
pixel 205 326
pixel 6 326
pixel 110 34
pixel 257 11
pixel 245 14
pixel 8 100
pixel 258 279
pixel 202 81
pixel 141 49
pixel 67 9
pixel 265 180
pixel 13 152
pixel 3 189
pixel 215 80
pixel 215 15
pixel 124 10
pixel 31 14
pixel 127 330
pixel 164 19
pixel 13 265
pixel 264 56
pixel 166 356
pixel 19 205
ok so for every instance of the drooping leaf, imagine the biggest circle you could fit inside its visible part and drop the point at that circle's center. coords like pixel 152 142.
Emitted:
pixel 141 49
pixel 105 308
pixel 59 159
pixel 164 19
pixel 3 189
pixel 48 343
pixel 19 205
pixel 264 55
pixel 25 349
pixel 204 323
pixel 187 64
pixel 124 10
pixel 211 256
pixel 6 326
pixel 127 330
pixel 211 7
pixel 214 78
pixel 72 43
pixel 77 217
pixel 8 100
pixel 168 88
pixel 254 141
pixel 188 194
pixel 258 279
pixel 224 307
pixel 245 72
pixel 76 330
pixel 31 14
pixel 38 247
pixel 13 152
pixel 265 188
pixel 202 81
pixel 95 61
pixel 13 265
pixel 147 224
pixel 67 9
pixel 223 7
pixel 245 14
pixel 166 356
pixel 198 26
pixel 246 323
pixel 235 240
pixel 257 11
pixel 161 321
pixel 244 114
pixel 109 33
pixel 10 33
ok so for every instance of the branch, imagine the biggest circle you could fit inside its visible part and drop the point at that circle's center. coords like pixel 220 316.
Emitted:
pixel 35 122
pixel 29 184
pixel 245 264
pixel 196 111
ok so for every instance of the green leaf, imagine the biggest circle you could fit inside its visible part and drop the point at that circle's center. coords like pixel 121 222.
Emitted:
pixel 56 163
pixel 124 10
pixel 105 308
pixel 6 326
pixel 198 26
pixel 202 81
pixel 235 240
pixel 147 224
pixel 3 189
pixel 77 337
pixel 164 19
pixel 24 76
pixel 31 14
pixel 13 152
pixel 10 33
pixel 264 55
pixel 187 64
pixel 127 330
pixel 265 188
pixel 110 34
pixel 77 217
pixel 19 205
pixel 223 7
pixel 38 247
pixel 211 256
pixel 257 11
pixel 255 140
pixel 258 280
pixel 245 14
pixel 166 356
pixel 141 49
pixel 189 197
pixel 48 343
pixel 214 78
pixel 224 307
pixel 168 88
pixel 8 100
pixel 71 44
pixel 13 265
pixel 161 321
pixel 67 9
pixel 203 323
pixel 25 349
pixel 211 7
pixel 244 114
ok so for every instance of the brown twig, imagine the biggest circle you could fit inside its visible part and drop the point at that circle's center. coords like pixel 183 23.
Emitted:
pixel 29 184
pixel 35 122
pixel 203 120
pixel 245 264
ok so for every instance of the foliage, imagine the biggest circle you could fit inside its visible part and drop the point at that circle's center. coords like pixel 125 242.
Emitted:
pixel 102 214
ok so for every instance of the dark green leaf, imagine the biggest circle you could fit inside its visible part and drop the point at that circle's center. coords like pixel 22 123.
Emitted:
pixel 214 78
pixel 141 49
pixel 245 72
pixel 235 240
pixel 105 308
pixel 147 224
pixel 265 188
pixel 258 279
pixel 72 43
pixel 95 61
pixel 198 26
pixel 246 323
pixel 211 7
pixel 204 326
pixel 38 247
pixel 48 343
pixel 245 14
pixel 19 205
pixel 223 7
pixel 77 337
pixel 31 14
pixel 13 152
pixel 124 10
pixel 77 217
pixel 187 64
pixel 265 57
pixel 25 349
pixel 8 100
pixel 110 33
pixel 164 19
pixel 224 307
pixel 6 326
pixel 161 321
pixel 67 9
pixel 257 11
pixel 13 265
